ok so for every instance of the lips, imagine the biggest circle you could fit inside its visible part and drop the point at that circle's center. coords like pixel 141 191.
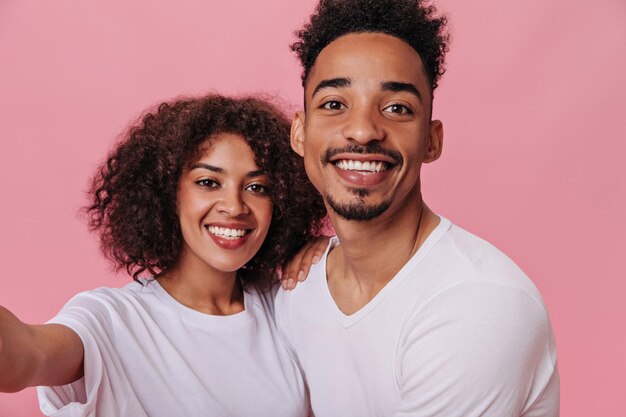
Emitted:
pixel 228 235
pixel 373 151
pixel 363 170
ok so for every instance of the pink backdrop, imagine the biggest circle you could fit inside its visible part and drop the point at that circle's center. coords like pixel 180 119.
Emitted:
pixel 532 104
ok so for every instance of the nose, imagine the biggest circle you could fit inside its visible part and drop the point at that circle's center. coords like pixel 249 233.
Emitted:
pixel 362 126
pixel 232 203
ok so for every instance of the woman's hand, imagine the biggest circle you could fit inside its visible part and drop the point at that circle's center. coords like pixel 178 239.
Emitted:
pixel 296 269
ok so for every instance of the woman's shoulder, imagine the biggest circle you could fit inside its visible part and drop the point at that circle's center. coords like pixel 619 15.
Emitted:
pixel 105 301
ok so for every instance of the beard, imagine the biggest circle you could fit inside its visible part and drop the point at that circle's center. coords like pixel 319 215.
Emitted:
pixel 358 211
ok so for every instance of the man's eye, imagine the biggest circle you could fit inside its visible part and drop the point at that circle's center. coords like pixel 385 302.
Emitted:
pixel 206 183
pixel 258 188
pixel 398 109
pixel 333 105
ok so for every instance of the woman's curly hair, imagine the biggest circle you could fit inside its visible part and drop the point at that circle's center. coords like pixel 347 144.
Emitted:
pixel 133 194
pixel 413 21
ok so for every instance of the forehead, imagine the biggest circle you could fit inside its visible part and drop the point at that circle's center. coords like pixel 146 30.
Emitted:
pixel 225 145
pixel 369 58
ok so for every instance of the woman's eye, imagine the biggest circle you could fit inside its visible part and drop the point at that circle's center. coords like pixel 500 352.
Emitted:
pixel 258 188
pixel 206 183
pixel 398 109
pixel 333 105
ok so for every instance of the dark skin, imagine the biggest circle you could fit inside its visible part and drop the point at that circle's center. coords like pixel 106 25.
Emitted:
pixel 297 268
pixel 358 110
pixel 204 279
pixel 48 354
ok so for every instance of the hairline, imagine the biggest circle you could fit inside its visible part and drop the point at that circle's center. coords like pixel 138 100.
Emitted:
pixel 305 79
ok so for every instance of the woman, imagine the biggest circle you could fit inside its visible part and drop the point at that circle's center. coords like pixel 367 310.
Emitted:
pixel 199 203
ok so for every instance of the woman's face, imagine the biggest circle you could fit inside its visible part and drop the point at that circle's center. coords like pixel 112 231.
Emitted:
pixel 223 205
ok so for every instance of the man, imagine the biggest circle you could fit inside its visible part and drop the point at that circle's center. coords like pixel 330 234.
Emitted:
pixel 406 314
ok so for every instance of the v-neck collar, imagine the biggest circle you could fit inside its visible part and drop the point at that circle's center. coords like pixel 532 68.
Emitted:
pixel 348 320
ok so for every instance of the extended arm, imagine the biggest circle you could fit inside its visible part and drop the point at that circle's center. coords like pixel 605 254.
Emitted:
pixel 31 355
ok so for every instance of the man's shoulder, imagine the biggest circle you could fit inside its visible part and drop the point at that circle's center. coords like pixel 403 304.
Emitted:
pixel 472 258
pixel 305 289
pixel 481 303
pixel 476 249
pixel 317 271
pixel 461 273
pixel 308 294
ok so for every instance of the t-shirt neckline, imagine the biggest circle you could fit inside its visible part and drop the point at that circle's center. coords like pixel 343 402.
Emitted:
pixel 209 321
pixel 347 320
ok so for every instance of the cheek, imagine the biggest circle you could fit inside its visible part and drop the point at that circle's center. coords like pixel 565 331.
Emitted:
pixel 313 153
pixel 192 207
pixel 265 216
pixel 261 209
pixel 184 210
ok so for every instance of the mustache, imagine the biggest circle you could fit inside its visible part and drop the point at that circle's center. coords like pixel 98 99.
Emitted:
pixel 370 148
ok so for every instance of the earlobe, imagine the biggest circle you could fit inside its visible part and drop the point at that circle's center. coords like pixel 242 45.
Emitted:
pixel 297 133
pixel 435 145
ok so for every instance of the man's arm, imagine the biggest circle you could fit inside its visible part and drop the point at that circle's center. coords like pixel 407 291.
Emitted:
pixel 479 348
pixel 30 355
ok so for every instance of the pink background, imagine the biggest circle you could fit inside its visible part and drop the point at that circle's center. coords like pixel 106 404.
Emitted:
pixel 532 104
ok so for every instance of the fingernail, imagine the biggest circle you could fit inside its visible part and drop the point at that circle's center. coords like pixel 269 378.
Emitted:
pixel 315 259
pixel 283 284
pixel 301 276
pixel 290 284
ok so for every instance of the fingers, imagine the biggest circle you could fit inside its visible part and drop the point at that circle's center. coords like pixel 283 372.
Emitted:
pixel 291 269
pixel 297 269
pixel 313 255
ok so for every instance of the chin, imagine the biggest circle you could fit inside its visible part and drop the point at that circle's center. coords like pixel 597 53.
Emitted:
pixel 358 210
pixel 227 265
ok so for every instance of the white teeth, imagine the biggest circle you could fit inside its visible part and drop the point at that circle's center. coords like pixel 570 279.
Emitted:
pixel 370 166
pixel 227 233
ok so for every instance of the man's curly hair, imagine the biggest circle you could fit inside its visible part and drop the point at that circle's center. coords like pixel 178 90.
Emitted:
pixel 133 194
pixel 413 21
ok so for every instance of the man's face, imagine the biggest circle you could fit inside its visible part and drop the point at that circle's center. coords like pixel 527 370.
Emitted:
pixel 367 130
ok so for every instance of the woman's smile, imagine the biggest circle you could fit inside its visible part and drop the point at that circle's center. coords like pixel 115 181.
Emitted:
pixel 223 204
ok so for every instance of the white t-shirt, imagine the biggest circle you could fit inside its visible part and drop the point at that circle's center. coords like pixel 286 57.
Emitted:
pixel 148 355
pixel 459 331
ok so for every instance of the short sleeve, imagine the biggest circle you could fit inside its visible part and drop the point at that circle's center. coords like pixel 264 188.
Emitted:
pixel 478 349
pixel 86 316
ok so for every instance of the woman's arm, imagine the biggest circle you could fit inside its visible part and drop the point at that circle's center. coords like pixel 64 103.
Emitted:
pixel 49 354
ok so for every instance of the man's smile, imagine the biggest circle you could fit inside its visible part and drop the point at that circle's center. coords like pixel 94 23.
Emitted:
pixel 360 172
pixel 366 166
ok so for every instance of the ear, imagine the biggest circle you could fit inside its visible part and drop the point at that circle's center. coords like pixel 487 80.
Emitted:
pixel 435 145
pixel 297 133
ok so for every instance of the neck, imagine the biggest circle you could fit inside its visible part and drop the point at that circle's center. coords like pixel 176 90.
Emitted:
pixel 196 285
pixel 373 252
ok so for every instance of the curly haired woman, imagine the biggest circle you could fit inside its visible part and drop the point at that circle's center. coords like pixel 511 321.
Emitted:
pixel 200 202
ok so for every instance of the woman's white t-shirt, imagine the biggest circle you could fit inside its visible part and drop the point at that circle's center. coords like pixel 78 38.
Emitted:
pixel 148 355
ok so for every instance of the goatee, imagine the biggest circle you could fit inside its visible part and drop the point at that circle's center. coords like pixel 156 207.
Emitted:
pixel 359 211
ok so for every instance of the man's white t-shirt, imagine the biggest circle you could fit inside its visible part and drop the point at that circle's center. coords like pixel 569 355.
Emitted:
pixel 459 331
pixel 147 355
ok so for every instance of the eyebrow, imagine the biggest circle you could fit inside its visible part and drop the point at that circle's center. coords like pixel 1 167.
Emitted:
pixel 218 170
pixel 400 86
pixel 385 86
pixel 331 83
pixel 256 173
